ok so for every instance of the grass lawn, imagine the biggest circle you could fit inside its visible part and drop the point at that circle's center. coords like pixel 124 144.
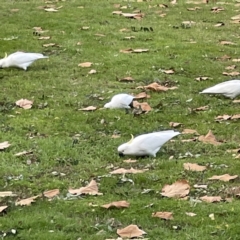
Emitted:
pixel 69 147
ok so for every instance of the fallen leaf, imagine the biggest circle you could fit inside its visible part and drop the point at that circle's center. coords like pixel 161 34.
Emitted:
pixel 129 37
pixel 217 9
pixel 188 140
pixel 126 79
pixel 209 138
pixel 23 153
pixel 175 124
pixel 141 95
pixel 156 87
pixel 236 17
pixel 144 106
pixel 90 108
pixel 163 215
pixel 190 131
pixel 236 101
pixel 231 73
pixel 211 199
pixel 170 71
pixel 236 60
pixel 4 145
pixel 85 64
pixel 224 57
pixel 193 9
pixel 117 12
pixel 227 43
pixel 194 167
pixel 234 150
pixel 90 189
pixel 24 103
pixel 133 15
pixel 220 24
pixel 230 67
pixel 26 202
pixel 204 186
pixel 131 170
pixel 130 50
pixel 179 189
pixel 201 78
pixel 236 116
pixel 92 71
pixel 2 208
pixel 51 193
pixel 50 10
pixel 7 194
pixel 129 160
pixel 225 177
pixel 223 117
pixel 190 214
pixel 44 38
pixel 118 204
pixel 130 231
pixel 124 30
pixel 85 28
pixel 203 108
pixel 50 45
pixel 115 136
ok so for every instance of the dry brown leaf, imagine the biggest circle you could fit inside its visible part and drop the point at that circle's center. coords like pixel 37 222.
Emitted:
pixel 194 167
pixel 130 160
pixel 220 24
pixel 231 73
pixel 193 9
pixel 175 124
pixel 118 204
pixel 230 67
pixel 44 38
pixel 117 12
pixel 223 58
pixel 2 208
pixel 7 194
pixel 124 30
pixel 163 215
pixel 203 108
pixel 126 79
pixel 50 9
pixel 156 87
pixel 170 71
pixel 236 60
pixel 209 138
pixel 225 177
pixel 26 202
pixel 133 15
pixel 85 27
pixel 115 136
pixel 179 189
pixel 236 101
pixel 129 37
pixel 24 103
pixel 144 106
pixel 211 199
pixel 227 43
pixel 90 189
pixel 201 78
pixel 51 193
pixel 234 150
pixel 190 214
pixel 190 131
pixel 50 45
pixel 85 64
pixel 23 153
pixel 188 140
pixel 217 9
pixel 235 21
pixel 90 108
pixel 223 117
pixel 92 71
pixel 236 17
pixel 4 145
pixel 130 231
pixel 116 5
pixel 130 50
pixel 141 95
pixel 131 170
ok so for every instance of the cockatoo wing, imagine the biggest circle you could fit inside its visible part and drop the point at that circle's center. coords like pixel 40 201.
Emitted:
pixel 152 142
pixel 19 58
pixel 229 89
pixel 122 100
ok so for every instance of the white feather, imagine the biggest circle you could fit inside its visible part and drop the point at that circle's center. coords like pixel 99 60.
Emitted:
pixel 20 59
pixel 147 144
pixel 229 89
pixel 121 100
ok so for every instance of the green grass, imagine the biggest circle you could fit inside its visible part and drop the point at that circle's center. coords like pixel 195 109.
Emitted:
pixel 76 143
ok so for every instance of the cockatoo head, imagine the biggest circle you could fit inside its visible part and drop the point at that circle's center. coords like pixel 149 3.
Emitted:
pixel 108 105
pixel 124 148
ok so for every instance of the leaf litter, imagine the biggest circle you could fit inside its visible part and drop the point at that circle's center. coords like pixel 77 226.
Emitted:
pixel 4 145
pixel 118 204
pixel 125 171
pixel 163 215
pixel 130 231
pixel 225 177
pixel 179 189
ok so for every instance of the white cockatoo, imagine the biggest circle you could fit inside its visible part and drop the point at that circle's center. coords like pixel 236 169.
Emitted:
pixel 146 144
pixel 230 89
pixel 20 59
pixel 121 100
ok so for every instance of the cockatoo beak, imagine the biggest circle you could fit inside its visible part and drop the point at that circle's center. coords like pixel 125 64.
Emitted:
pixel 121 154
